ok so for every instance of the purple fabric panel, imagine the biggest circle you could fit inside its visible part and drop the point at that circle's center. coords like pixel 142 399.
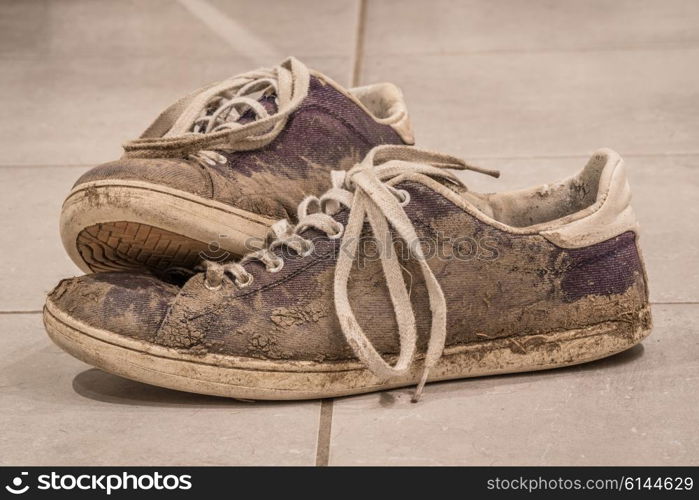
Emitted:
pixel 606 268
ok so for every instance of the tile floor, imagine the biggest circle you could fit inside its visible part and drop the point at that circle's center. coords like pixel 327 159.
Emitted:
pixel 530 87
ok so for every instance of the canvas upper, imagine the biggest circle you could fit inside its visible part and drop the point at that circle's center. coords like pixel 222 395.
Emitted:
pixel 326 127
pixel 482 266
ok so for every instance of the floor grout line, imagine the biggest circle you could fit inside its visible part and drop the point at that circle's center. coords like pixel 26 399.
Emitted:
pixel 358 56
pixel 22 312
pixel 537 51
pixel 236 34
pixel 324 432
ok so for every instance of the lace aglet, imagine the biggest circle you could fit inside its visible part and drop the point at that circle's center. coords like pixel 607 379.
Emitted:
pixel 486 171
pixel 420 386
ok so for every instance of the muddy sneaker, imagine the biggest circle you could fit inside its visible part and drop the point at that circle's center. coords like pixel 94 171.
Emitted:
pixel 211 174
pixel 397 275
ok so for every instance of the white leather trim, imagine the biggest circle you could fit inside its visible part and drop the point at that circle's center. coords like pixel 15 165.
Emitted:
pixel 611 215
pixel 395 112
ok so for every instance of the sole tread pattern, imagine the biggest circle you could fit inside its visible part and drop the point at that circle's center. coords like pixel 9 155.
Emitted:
pixel 124 245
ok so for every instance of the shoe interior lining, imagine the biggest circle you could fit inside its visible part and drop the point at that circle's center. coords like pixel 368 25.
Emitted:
pixel 546 203
pixel 382 100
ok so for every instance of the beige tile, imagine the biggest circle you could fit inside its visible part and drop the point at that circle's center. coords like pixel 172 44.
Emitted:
pixel 55 410
pixel 33 256
pixel 300 27
pixel 93 106
pixel 82 28
pixel 176 29
pixel 638 408
pixel 543 104
pixel 448 26
pixel 77 79
pixel 664 191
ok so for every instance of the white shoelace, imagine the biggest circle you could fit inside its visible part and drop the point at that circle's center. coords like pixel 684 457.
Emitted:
pixel 365 192
pixel 210 116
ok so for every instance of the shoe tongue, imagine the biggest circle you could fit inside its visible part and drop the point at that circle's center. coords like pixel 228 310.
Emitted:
pixel 479 200
pixel 268 101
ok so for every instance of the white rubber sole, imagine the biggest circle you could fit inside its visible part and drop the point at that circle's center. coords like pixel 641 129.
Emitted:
pixel 106 225
pixel 250 378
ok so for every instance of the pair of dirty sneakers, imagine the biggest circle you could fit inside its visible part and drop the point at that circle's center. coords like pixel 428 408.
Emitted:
pixel 276 236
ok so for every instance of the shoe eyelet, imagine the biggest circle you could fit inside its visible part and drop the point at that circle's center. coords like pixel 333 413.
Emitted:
pixel 309 249
pixel 278 267
pixel 221 160
pixel 208 286
pixel 405 195
pixel 338 233
pixel 246 283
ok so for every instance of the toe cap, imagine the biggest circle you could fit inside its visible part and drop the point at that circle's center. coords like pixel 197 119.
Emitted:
pixel 176 174
pixel 129 304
